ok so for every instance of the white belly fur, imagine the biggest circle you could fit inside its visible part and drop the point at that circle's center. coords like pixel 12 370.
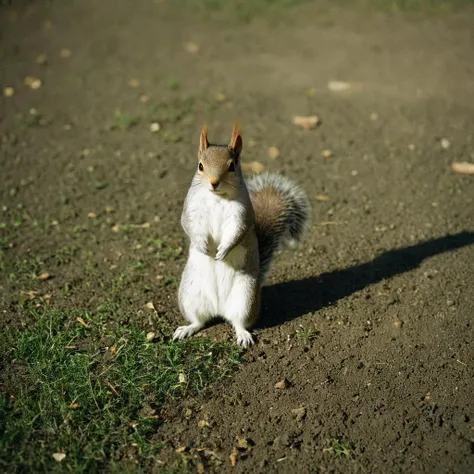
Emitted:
pixel 212 281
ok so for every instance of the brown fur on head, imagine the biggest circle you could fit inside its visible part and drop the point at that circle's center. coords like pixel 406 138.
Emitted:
pixel 219 165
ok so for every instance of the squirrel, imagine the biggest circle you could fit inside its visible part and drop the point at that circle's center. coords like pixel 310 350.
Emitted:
pixel 235 226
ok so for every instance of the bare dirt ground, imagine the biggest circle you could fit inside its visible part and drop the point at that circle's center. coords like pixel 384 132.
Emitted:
pixel 370 321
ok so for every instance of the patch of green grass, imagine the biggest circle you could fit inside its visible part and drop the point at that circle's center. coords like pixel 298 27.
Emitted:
pixel 123 121
pixel 26 269
pixel 164 250
pixel 307 334
pixel 94 392
pixel 172 111
pixel 32 119
pixel 172 84
pixel 339 448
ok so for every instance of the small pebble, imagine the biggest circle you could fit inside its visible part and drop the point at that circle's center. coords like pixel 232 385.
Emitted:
pixel 42 59
pixel 65 53
pixel 155 127
pixel 33 82
pixel 8 91
pixel 445 144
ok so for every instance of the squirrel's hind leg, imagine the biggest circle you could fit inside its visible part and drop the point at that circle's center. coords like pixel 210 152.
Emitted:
pixel 242 307
pixel 187 331
pixel 195 302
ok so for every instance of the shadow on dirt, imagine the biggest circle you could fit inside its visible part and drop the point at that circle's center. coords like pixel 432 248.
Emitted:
pixel 289 300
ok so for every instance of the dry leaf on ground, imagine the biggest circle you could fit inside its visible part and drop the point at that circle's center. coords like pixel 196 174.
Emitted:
pixel 44 276
pixel 463 167
pixel 82 322
pixel 253 167
pixel 134 82
pixel 299 413
pixel 306 122
pixel 150 336
pixel 273 152
pixel 58 457
pixel 233 457
pixel 326 153
pixel 282 384
pixel 8 91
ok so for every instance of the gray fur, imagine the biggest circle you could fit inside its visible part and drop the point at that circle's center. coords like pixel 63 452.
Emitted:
pixel 291 224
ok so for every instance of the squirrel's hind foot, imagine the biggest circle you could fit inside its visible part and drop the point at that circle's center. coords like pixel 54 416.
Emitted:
pixel 184 332
pixel 244 338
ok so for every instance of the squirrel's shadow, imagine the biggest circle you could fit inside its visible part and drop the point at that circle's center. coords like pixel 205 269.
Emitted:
pixel 288 300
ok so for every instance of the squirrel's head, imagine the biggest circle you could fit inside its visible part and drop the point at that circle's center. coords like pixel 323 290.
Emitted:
pixel 219 165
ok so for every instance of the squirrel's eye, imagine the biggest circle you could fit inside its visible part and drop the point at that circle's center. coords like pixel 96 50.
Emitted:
pixel 201 168
pixel 232 167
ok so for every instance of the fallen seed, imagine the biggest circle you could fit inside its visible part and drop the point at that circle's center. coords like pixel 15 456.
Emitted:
pixel 321 197
pixel 338 86
pixel 306 122
pixel 273 152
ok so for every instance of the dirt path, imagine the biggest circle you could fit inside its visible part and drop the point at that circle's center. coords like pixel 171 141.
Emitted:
pixel 370 321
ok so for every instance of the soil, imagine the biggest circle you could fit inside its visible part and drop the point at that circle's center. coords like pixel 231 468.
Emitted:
pixel 370 320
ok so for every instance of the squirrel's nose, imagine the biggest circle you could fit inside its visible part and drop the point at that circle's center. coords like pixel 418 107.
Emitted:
pixel 214 182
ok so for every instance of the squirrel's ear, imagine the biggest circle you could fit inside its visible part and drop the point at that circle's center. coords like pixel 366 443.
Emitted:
pixel 203 142
pixel 236 140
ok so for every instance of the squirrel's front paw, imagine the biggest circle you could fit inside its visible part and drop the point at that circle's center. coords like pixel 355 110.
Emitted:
pixel 221 253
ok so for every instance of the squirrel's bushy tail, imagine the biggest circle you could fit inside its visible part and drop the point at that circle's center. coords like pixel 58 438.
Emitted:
pixel 282 214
